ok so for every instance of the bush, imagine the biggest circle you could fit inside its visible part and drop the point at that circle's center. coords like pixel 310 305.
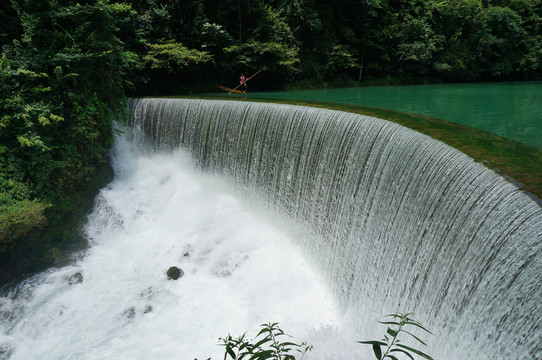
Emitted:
pixel 391 343
pixel 266 345
pixel 18 217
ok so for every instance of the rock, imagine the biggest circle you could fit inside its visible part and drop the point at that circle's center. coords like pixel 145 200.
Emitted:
pixel 147 294
pixel 129 313
pixel 173 273
pixel 5 351
pixel 76 278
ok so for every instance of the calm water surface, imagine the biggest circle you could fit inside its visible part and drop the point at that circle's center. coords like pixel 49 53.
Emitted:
pixel 509 109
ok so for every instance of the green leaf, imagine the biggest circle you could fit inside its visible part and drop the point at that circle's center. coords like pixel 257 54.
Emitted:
pixel 377 351
pixel 389 323
pixel 288 343
pixel 243 355
pixel 262 355
pixel 391 357
pixel 373 342
pixel 417 324
pixel 44 121
pixel 403 351
pixel 261 342
pixel 415 337
pixel 265 330
pixel 230 352
pixel 418 352
pixel 399 316
pixel 392 332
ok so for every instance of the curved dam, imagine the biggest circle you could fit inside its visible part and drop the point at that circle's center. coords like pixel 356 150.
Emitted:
pixel 396 221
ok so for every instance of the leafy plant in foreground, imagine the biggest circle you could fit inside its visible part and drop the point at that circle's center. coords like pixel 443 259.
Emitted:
pixel 266 345
pixel 391 344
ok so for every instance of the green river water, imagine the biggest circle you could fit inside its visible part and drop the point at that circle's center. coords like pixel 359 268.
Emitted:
pixel 508 109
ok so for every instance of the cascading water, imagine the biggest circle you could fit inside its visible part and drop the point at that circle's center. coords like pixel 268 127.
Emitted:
pixel 397 220
pixel 392 220
pixel 115 302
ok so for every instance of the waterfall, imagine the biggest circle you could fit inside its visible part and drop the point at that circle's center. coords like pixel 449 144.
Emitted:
pixel 397 221
pixel 113 299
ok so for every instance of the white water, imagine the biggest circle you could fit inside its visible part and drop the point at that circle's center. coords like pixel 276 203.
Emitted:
pixel 241 269
pixel 393 220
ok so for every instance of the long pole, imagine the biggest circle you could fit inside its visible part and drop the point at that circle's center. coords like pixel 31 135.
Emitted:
pixel 235 88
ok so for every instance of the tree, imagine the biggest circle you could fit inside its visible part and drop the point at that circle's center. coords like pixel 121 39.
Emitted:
pixel 270 44
pixel 62 76
pixel 457 22
pixel 498 40
pixel 531 16
pixel 417 45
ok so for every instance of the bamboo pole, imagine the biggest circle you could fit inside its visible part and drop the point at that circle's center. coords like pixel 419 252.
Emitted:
pixel 235 88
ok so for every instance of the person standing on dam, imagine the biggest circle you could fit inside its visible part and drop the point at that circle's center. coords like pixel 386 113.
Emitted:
pixel 243 81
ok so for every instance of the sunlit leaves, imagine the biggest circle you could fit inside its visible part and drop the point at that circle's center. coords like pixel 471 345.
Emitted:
pixel 17 217
pixel 172 56
pixel 214 36
pixel 32 140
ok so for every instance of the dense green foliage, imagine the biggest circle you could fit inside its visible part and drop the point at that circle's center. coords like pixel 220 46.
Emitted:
pixel 66 66
pixel 367 40
pixel 62 69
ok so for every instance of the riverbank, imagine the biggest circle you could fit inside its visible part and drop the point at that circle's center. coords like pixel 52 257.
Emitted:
pixel 519 163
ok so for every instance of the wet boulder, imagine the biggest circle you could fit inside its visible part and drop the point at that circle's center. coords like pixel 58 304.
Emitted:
pixel 129 313
pixel 174 273
pixel 76 278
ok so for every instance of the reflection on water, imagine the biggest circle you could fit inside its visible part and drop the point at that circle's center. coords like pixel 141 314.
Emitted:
pixel 509 109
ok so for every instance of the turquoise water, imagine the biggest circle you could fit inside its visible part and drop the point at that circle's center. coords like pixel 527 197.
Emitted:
pixel 508 109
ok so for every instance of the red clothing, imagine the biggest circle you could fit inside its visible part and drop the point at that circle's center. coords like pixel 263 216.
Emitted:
pixel 242 81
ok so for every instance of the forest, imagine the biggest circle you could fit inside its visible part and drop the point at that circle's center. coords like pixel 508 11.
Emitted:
pixel 67 67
